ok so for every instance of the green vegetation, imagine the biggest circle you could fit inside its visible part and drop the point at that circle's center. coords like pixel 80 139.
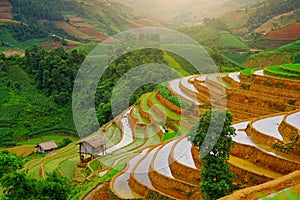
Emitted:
pixel 281 55
pixel 120 68
pixel 216 175
pixel 175 65
pixel 58 139
pixel 54 71
pixel 205 35
pixel 172 115
pixel 168 136
pixel 230 41
pixel 288 194
pixel 163 90
pixel 296 57
pixel 292 47
pixel 268 9
pixel 248 71
pixel 291 71
pixel 25 110
pixel 18 185
pixel 9 162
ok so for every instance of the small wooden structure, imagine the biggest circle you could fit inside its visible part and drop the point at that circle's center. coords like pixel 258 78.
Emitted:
pixel 46 146
pixel 92 146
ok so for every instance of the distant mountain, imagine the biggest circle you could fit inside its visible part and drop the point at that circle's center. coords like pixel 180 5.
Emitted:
pixel 82 21
pixel 189 11
pixel 268 24
pixel 195 11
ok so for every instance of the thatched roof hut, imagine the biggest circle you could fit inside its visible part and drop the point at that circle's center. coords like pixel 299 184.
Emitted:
pixel 46 146
pixel 93 145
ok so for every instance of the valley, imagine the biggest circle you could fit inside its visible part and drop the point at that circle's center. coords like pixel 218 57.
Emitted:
pixel 148 144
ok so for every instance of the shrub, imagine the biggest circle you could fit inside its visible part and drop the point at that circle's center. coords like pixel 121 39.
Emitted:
pixel 163 90
pixel 292 102
pixel 296 57
pixel 245 86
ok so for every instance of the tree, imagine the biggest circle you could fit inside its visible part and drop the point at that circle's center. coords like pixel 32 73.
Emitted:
pixel 216 175
pixel 18 185
pixel 2 66
pixel 9 162
pixel 296 57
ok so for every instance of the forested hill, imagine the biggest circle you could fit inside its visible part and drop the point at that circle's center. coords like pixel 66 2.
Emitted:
pixel 36 22
pixel 268 9
pixel 251 17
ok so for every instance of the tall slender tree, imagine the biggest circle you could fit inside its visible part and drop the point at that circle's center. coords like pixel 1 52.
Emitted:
pixel 214 134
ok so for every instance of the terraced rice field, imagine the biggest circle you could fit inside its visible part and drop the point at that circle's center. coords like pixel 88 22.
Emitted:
pixel 264 118
pixel 253 162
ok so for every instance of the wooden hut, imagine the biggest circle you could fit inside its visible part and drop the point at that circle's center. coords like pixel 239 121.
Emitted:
pixel 93 146
pixel 46 146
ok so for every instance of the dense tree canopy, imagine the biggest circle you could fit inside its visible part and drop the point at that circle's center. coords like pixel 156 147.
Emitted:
pixel 121 66
pixel 54 70
pixel 19 185
pixel 9 162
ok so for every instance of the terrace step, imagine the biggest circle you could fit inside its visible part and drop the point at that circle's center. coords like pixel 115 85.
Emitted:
pixel 119 183
pixel 265 131
pixel 174 87
pixel 147 112
pixel 250 173
pixel 139 181
pixel 262 156
pixel 162 178
pixel 136 114
pixel 187 87
pixel 181 162
pixel 127 134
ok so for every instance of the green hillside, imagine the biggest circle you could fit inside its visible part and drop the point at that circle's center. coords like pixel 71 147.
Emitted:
pixel 79 21
pixel 27 112
pixel 251 17
pixel 281 55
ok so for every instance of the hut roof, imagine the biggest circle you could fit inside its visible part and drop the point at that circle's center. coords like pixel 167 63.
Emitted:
pixel 94 141
pixel 48 145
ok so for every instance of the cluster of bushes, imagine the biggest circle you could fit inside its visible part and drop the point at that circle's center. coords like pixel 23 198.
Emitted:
pixel 163 90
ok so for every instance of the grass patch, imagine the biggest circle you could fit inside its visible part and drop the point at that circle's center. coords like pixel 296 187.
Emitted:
pixel 44 138
pixel 175 65
pixel 168 136
pixel 23 150
pixel 67 167
pixel 248 71
pixel 228 40
pixel 95 164
pixel 291 68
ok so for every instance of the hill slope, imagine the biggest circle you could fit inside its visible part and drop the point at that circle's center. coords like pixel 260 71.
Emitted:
pixel 76 20
pixel 281 55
